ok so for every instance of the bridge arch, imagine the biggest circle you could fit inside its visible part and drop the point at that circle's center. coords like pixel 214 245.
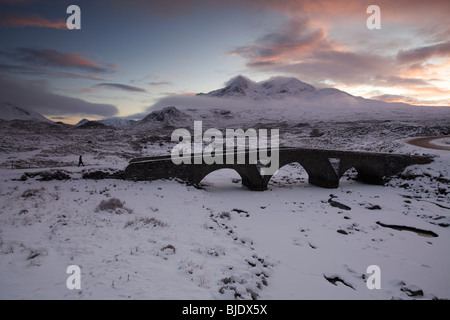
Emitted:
pixel 350 173
pixel 230 173
pixel 249 174
pixel 319 169
pixel 268 179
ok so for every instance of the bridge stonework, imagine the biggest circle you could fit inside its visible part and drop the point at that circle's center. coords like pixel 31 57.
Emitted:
pixel 324 167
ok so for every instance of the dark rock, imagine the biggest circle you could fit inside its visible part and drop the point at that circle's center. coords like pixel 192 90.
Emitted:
pixel 46 175
pixel 338 205
pixel 99 175
pixel 412 292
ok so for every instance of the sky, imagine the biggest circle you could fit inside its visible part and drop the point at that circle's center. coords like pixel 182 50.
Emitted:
pixel 130 54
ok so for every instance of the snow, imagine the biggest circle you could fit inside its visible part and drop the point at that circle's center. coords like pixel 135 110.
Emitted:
pixel 227 241
pixel 444 142
pixel 117 122
pixel 167 240
pixel 10 111
pixel 274 88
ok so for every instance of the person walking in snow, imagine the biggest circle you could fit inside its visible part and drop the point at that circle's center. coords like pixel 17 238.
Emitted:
pixel 80 162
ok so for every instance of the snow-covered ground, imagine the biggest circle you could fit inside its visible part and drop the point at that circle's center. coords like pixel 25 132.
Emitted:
pixel 172 241
pixel 443 142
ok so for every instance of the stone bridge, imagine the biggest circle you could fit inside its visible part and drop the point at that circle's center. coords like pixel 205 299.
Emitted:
pixel 324 167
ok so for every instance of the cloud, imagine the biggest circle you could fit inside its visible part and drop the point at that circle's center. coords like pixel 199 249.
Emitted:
pixel 20 20
pixel 422 54
pixel 39 99
pixel 53 63
pixel 411 100
pixel 157 84
pixel 394 98
pixel 43 72
pixel 120 86
pixel 308 53
pixel 341 66
pixel 397 11
pixel 186 102
pixel 136 116
pixel 290 43
pixel 401 82
pixel 53 58
pixel 298 48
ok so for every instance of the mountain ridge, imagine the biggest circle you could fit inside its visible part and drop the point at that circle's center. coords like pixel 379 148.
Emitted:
pixel 275 87
pixel 11 111
pixel 168 116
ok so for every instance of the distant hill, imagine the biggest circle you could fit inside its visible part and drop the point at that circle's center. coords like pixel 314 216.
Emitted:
pixel 81 122
pixel 93 125
pixel 168 116
pixel 111 122
pixel 9 111
pixel 117 122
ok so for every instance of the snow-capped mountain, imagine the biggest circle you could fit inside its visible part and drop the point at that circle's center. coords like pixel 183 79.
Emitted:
pixel 281 99
pixel 276 87
pixel 168 116
pixel 237 87
pixel 331 92
pixel 281 86
pixel 9 111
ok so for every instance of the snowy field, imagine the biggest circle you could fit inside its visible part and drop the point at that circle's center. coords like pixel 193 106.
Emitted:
pixel 443 142
pixel 166 240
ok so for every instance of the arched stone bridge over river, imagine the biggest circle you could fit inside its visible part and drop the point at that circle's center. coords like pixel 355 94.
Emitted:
pixel 324 167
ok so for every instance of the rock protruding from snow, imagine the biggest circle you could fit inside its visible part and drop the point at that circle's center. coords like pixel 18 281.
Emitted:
pixel 9 111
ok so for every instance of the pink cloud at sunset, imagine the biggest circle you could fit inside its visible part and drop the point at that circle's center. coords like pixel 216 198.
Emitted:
pixel 30 20
pixel 333 52
pixel 54 58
